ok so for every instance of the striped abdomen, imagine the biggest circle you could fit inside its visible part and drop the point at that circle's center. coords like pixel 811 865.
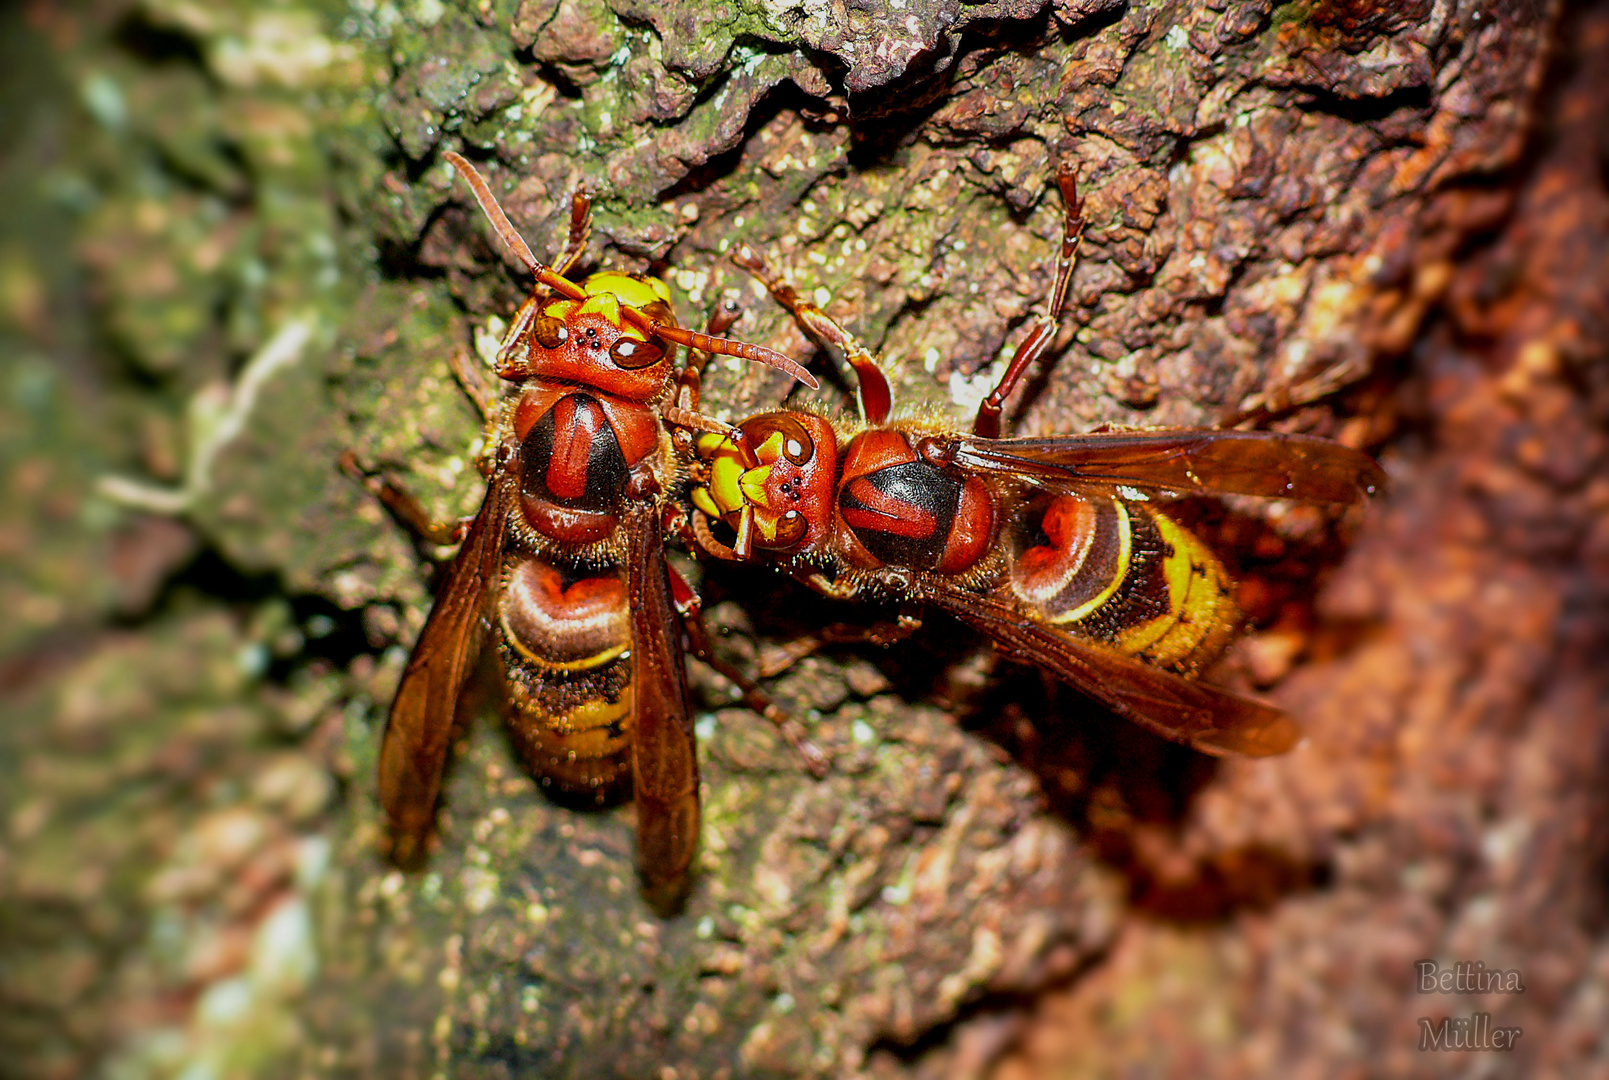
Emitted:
pixel 1125 574
pixel 565 642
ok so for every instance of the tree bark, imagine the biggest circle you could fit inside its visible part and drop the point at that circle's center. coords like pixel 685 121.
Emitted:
pixel 279 266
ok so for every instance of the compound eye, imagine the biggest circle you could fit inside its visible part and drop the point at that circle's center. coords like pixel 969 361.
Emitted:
pixel 797 445
pixel 550 332
pixel 791 528
pixel 632 354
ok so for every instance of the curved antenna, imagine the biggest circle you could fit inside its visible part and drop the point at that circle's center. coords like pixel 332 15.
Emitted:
pixel 743 350
pixel 506 231
pixel 647 323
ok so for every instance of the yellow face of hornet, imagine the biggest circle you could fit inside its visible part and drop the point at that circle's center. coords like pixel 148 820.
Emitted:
pixel 733 487
pixel 776 490
pixel 588 341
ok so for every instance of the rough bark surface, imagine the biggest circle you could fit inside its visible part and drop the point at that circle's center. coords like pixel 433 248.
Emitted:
pixel 1453 781
pixel 237 253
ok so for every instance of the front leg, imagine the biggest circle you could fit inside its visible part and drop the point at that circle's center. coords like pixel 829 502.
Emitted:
pixel 692 373
pixel 472 378
pixel 580 230
pixel 872 389
pixel 408 510
pixel 987 421
pixel 816 581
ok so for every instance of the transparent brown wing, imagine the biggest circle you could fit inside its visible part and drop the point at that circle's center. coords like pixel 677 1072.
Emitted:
pixel 664 751
pixel 1213 721
pixel 1182 462
pixel 421 720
